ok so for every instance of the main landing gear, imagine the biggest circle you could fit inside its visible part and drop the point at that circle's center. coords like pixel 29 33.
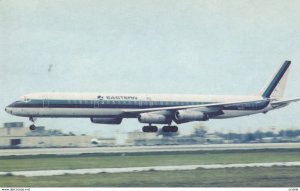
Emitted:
pixel 150 128
pixel 170 128
pixel 165 129
pixel 32 127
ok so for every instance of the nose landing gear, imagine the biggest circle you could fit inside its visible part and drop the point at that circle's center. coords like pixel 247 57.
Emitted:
pixel 32 127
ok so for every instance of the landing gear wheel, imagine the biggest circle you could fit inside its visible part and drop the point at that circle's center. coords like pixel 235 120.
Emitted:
pixel 32 127
pixel 145 129
pixel 168 129
pixel 154 129
pixel 174 129
pixel 150 129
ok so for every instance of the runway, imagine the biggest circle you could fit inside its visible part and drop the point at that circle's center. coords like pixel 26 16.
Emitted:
pixel 146 149
pixel 143 169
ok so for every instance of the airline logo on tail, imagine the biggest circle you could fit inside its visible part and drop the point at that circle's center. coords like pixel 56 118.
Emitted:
pixel 275 89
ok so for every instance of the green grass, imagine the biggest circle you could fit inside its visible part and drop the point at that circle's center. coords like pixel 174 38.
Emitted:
pixel 234 177
pixel 161 159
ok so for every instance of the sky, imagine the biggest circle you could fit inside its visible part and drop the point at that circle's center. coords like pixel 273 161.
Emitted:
pixel 149 46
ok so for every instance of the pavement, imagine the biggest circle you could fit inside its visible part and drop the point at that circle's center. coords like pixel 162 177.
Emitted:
pixel 146 149
pixel 32 173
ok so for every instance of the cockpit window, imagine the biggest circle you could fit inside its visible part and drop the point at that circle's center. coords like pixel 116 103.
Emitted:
pixel 25 99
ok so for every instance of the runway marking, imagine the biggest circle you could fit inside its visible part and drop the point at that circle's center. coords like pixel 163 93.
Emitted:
pixel 143 169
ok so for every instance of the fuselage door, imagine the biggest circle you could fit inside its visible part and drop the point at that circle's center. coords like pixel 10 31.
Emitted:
pixel 150 102
pixel 99 101
pixel 140 103
pixel 96 103
pixel 46 103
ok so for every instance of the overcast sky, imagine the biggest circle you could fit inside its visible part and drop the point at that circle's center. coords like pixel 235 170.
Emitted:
pixel 138 46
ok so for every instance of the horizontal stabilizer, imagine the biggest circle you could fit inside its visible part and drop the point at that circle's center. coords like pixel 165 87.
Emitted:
pixel 283 103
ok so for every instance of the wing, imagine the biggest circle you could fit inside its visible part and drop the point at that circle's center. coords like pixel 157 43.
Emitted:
pixel 208 108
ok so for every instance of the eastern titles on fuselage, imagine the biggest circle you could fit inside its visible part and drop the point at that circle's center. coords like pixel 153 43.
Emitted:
pixel 118 97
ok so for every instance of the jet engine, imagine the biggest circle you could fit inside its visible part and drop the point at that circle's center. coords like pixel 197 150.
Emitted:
pixel 153 118
pixel 183 116
pixel 106 120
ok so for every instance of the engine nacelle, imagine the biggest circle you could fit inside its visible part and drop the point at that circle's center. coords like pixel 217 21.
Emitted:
pixel 106 120
pixel 153 118
pixel 183 116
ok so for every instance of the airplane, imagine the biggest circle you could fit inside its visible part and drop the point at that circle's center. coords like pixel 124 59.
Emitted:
pixel 108 108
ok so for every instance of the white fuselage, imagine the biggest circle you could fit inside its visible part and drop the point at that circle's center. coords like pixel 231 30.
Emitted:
pixel 113 105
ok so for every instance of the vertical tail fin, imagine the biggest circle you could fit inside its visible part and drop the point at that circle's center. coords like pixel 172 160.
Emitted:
pixel 275 88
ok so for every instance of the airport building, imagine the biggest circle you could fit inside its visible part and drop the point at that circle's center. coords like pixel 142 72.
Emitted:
pixel 160 138
pixel 15 135
pixel 137 136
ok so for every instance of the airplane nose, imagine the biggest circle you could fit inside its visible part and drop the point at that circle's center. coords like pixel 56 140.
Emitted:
pixel 7 110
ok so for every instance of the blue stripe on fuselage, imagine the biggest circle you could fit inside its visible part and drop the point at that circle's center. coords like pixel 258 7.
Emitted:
pixel 127 104
pixel 99 104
